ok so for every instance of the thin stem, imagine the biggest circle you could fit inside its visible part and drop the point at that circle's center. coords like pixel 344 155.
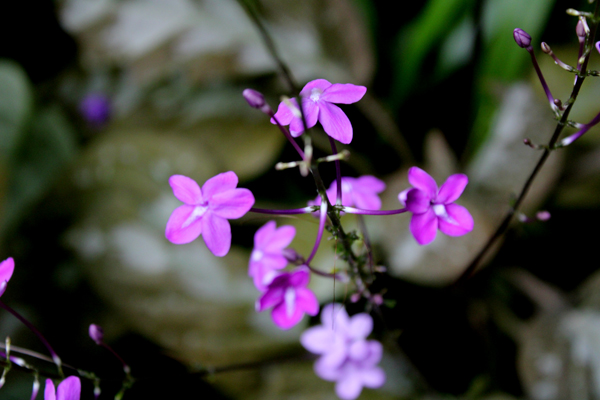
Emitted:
pixel 55 357
pixel 338 173
pixel 287 134
pixel 360 211
pixel 322 221
pixel 363 229
pixel 305 210
pixel 546 153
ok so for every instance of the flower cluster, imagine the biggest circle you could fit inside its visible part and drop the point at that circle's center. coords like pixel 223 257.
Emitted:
pixel 346 356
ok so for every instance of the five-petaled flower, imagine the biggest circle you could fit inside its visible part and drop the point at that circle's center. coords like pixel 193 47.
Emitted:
pixel 207 210
pixel 290 298
pixel 267 255
pixel 318 97
pixel 346 357
pixel 69 389
pixel 7 268
pixel 361 192
pixel 433 208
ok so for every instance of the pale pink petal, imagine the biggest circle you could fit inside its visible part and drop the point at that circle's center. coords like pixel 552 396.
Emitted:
pixel 263 235
pixel 320 84
pixel 3 286
pixel 307 301
pixel 284 115
pixel 311 114
pixel 328 371
pixel 343 93
pixel 69 389
pixel 218 184
pixel 402 196
pixel 232 204
pixel 424 227
pixel 283 319
pixel 360 326
pixel 335 123
pixel 7 268
pixel 216 232
pixel 366 200
pixel 373 377
pixel 417 201
pixel 368 183
pixel 422 180
pixel 181 228
pixel 281 238
pixel 336 355
pixel 49 391
pixel 318 339
pixel 459 222
pixel 358 350
pixel 185 189
pixel 452 188
pixel 348 387
pixel 334 316
pixel 375 353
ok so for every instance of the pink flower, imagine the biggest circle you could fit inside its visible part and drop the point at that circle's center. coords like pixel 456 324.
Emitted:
pixel 433 209
pixel 347 358
pixel 361 192
pixel 318 97
pixel 207 210
pixel 7 268
pixel 289 297
pixel 267 255
pixel 69 389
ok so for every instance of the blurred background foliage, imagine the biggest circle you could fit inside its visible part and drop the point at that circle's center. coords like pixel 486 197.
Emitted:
pixel 102 100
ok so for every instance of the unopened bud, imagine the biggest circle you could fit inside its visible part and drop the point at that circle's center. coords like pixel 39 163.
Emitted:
pixel 522 38
pixel 543 215
pixel 545 48
pixel 355 297
pixel 292 256
pixel 256 100
pixel 580 30
pixel 558 103
pixel 96 333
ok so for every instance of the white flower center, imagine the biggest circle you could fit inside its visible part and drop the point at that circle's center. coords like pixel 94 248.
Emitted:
pixel 315 94
pixel 440 210
pixel 290 301
pixel 256 255
pixel 195 215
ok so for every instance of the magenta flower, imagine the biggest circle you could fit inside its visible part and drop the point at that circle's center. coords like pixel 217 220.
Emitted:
pixel 267 255
pixel 433 209
pixel 69 389
pixel 7 268
pixel 361 192
pixel 347 358
pixel 207 210
pixel 318 97
pixel 289 297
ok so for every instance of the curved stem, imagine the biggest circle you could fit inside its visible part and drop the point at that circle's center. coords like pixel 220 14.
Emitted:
pixel 322 221
pixel 352 210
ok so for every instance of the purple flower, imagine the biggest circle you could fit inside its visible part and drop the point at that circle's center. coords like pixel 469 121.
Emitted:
pixel 95 108
pixel 207 210
pixel 7 268
pixel 96 333
pixel 289 297
pixel 69 389
pixel 361 192
pixel 267 255
pixel 346 356
pixel 433 209
pixel 318 97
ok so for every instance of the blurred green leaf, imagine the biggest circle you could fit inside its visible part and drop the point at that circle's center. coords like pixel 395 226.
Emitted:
pixel 48 146
pixel 15 104
pixel 457 49
pixel 502 60
pixel 419 38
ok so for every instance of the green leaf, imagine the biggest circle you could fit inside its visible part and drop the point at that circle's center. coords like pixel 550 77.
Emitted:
pixel 15 105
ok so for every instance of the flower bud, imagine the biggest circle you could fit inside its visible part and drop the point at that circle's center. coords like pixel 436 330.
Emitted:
pixel 256 100
pixel 580 29
pixel 543 215
pixel 522 38
pixel 96 333
pixel 545 48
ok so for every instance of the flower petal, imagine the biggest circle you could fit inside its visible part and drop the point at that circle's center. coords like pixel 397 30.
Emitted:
pixel 263 235
pixel 334 316
pixel 452 188
pixel 348 387
pixel 217 234
pixel 373 377
pixel 422 180
pixel 280 239
pixel 375 353
pixel 424 227
pixel 272 297
pixel 69 389
pixel 402 196
pixel 311 113
pixel 328 371
pixel 232 204
pixel 283 319
pixel 299 277
pixel 320 84
pixel 185 189
pixel 459 222
pixel 417 201
pixel 335 123
pixel 284 115
pixel 368 183
pixel 176 232
pixel 343 93
pixel 318 339
pixel 307 301
pixel 49 391
pixel 7 268
pixel 360 326
pixel 218 184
